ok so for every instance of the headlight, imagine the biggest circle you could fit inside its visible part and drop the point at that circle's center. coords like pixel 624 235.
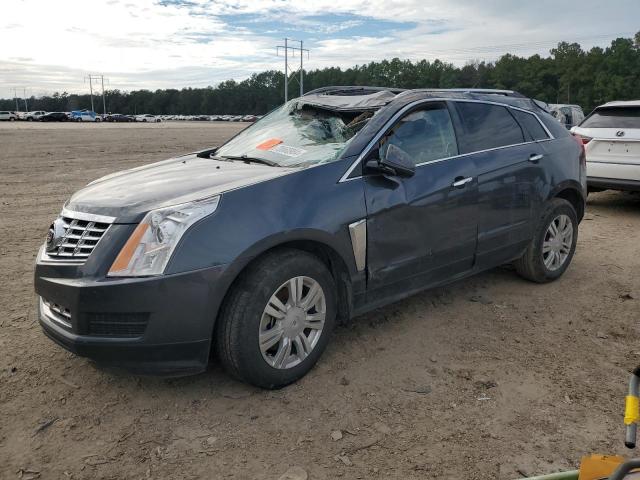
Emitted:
pixel 151 244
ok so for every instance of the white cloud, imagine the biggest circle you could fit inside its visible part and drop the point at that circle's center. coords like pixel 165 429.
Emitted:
pixel 47 46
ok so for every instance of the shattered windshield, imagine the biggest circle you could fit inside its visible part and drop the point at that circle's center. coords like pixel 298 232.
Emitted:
pixel 296 134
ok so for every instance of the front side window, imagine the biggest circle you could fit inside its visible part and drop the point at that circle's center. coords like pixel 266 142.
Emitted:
pixel 487 126
pixel 424 135
pixel 613 117
pixel 296 134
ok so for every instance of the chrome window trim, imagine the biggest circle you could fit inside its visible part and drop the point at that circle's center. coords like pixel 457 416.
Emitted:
pixel 89 217
pixel 403 110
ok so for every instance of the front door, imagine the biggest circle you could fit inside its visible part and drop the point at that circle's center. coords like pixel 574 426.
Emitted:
pixel 421 229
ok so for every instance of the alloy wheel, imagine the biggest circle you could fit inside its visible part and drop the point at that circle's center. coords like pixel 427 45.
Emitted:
pixel 292 322
pixel 558 240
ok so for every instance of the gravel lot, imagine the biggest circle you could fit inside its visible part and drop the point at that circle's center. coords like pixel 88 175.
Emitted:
pixel 491 377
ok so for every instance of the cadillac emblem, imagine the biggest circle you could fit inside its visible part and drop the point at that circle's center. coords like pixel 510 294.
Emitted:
pixel 55 235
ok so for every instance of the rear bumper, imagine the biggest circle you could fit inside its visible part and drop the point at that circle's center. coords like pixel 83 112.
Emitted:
pixel 157 326
pixel 613 184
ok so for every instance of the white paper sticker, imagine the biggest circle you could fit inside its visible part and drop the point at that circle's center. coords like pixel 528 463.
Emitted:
pixel 287 150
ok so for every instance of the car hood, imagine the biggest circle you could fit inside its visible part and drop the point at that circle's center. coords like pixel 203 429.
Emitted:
pixel 128 194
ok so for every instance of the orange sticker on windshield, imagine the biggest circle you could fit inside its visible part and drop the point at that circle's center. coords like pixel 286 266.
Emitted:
pixel 269 144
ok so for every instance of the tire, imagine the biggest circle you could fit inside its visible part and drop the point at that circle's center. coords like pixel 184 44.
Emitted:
pixel 532 264
pixel 243 315
pixel 29 119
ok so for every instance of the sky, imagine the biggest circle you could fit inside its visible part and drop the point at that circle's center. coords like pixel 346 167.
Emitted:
pixel 48 46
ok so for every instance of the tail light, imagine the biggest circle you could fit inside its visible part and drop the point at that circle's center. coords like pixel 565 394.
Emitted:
pixel 582 138
pixel 582 141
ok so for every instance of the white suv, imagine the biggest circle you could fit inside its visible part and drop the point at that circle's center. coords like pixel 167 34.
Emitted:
pixel 31 116
pixel 11 116
pixel 611 136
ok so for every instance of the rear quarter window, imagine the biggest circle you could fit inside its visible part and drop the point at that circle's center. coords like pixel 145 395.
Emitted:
pixel 613 117
pixel 557 129
pixel 531 125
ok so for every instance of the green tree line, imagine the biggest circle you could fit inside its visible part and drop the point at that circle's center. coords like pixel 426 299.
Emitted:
pixel 569 75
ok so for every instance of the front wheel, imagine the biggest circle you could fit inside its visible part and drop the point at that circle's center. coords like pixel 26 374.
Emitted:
pixel 554 244
pixel 277 319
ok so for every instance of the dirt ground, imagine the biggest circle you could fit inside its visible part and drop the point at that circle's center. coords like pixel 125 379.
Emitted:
pixel 491 377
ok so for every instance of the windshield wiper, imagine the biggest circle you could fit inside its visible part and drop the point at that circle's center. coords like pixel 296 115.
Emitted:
pixel 246 159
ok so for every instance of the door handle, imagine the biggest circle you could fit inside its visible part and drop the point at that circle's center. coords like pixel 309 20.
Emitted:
pixel 461 182
pixel 535 157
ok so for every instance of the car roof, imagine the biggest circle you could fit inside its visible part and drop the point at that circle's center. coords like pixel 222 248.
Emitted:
pixel 361 98
pixel 619 103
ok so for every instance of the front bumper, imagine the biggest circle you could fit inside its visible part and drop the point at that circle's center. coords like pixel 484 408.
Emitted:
pixel 156 325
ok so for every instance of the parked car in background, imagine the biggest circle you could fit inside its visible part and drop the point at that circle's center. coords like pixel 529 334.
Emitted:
pixel 568 115
pixel 31 116
pixel 85 116
pixel 611 136
pixel 119 118
pixel 147 118
pixel 249 118
pixel 55 117
pixel 319 212
pixel 8 116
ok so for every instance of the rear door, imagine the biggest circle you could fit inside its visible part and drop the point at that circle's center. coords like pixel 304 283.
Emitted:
pixel 510 167
pixel 422 229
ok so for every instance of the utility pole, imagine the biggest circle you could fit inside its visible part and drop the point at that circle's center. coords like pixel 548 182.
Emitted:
pixel 301 71
pixel 24 92
pixel 15 97
pixel 91 79
pixel 104 102
pixel 295 51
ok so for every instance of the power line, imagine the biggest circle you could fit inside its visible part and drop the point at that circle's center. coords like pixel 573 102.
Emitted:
pixel 519 46
pixel 286 49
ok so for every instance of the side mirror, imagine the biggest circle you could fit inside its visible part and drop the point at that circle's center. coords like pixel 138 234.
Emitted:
pixel 397 162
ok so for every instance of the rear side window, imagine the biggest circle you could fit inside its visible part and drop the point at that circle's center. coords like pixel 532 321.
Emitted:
pixel 530 124
pixel 613 117
pixel 487 126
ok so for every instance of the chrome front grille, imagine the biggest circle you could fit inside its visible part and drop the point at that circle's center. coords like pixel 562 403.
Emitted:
pixel 75 235
pixel 80 238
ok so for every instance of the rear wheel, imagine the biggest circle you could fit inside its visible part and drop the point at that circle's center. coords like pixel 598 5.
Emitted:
pixel 553 246
pixel 277 319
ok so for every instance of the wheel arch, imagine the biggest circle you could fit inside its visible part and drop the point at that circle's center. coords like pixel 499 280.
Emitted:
pixel 574 197
pixel 323 250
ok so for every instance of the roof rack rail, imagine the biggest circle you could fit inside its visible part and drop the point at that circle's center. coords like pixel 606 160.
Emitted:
pixel 353 90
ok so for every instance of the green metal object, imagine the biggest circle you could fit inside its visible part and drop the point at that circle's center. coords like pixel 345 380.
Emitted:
pixel 572 475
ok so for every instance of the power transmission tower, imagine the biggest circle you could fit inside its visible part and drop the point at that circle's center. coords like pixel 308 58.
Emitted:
pixel 91 79
pixel 295 50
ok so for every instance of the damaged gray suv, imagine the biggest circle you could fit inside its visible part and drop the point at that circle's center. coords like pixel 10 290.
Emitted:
pixel 338 202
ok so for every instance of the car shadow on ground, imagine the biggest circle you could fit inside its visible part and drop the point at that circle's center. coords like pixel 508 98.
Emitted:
pixel 611 199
